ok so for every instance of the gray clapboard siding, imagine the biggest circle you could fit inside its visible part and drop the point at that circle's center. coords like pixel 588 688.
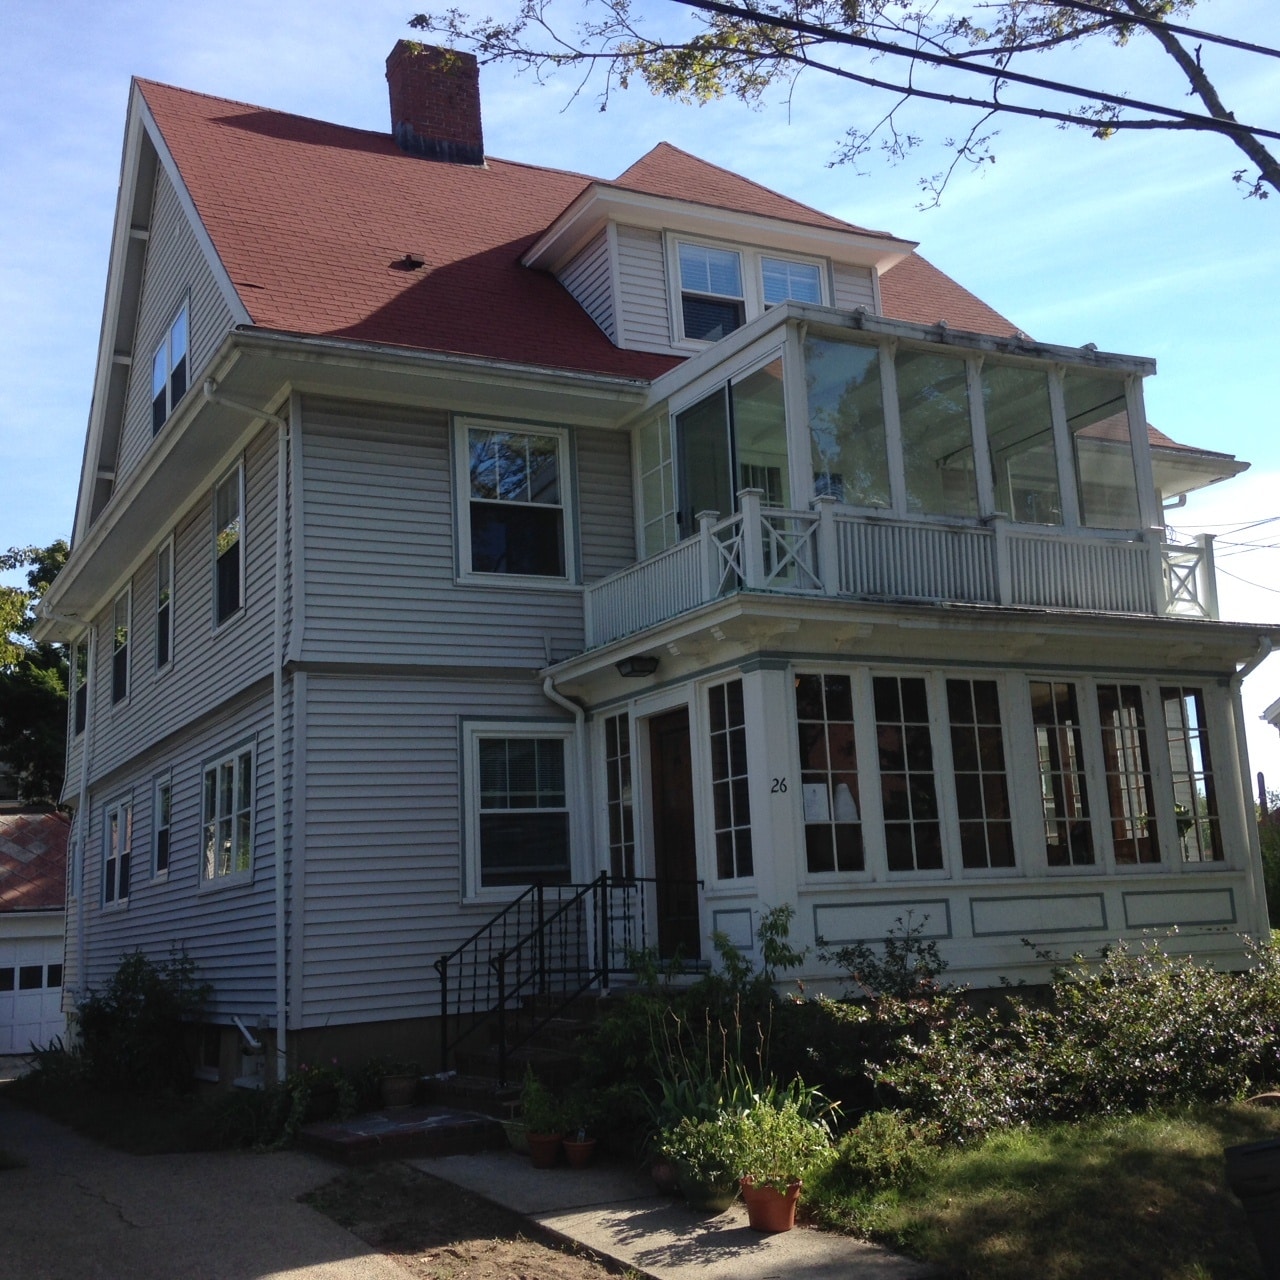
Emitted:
pixel 207 666
pixel 644 319
pixel 378 539
pixel 588 279
pixel 229 930
pixel 383 838
pixel 853 287
pixel 606 522
pixel 175 266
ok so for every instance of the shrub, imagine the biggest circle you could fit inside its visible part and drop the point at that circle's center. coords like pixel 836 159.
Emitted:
pixel 887 1150
pixel 1137 1030
pixel 133 1033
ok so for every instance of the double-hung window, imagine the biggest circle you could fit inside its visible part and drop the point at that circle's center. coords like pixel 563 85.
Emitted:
pixel 711 298
pixel 164 604
pixel 908 791
pixel 120 621
pixel 116 851
pixel 1195 798
pixel 829 773
pixel 721 287
pixel 516 519
pixel 228 544
pixel 518 813
pixel 169 370
pixel 227 817
pixel 161 825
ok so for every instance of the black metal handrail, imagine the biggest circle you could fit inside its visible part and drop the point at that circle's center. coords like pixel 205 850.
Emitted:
pixel 553 941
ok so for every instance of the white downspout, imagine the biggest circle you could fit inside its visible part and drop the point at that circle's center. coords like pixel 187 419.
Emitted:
pixel 82 801
pixel 210 391
pixel 1256 890
pixel 580 737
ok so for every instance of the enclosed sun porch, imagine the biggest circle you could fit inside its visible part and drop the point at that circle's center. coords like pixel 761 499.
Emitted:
pixel 821 453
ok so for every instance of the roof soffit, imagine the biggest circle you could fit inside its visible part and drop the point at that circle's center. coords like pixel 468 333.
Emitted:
pixel 601 203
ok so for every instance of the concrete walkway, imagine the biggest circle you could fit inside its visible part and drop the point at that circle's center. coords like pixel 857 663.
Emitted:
pixel 616 1213
pixel 79 1211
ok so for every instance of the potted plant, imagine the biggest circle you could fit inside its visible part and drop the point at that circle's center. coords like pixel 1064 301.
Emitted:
pixel 707 1156
pixel 579 1138
pixel 544 1122
pixel 779 1143
pixel 398 1083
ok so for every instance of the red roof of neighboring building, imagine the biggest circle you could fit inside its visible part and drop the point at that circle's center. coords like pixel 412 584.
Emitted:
pixel 33 860
pixel 309 220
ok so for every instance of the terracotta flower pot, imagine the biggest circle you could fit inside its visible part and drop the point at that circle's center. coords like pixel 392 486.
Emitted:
pixel 580 1151
pixel 769 1209
pixel 544 1149
pixel 398 1090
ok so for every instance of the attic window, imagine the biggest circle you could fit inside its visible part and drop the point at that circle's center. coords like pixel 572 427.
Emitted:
pixel 711 300
pixel 169 370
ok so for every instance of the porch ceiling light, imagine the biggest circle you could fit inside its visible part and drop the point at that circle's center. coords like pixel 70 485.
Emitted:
pixel 642 664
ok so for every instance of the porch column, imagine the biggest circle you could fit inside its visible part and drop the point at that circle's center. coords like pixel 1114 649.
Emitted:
pixel 768 699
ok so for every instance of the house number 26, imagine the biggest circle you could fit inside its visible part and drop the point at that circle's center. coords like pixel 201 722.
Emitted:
pixel 779 787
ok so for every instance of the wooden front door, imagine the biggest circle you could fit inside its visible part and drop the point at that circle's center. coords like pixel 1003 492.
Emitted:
pixel 674 845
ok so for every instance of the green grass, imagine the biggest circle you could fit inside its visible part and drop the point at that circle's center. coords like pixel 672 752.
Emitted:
pixel 1121 1197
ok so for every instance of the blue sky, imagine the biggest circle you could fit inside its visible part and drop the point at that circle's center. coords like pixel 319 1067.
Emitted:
pixel 1140 244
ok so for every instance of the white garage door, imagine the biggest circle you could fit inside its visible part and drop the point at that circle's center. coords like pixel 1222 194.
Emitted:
pixel 30 993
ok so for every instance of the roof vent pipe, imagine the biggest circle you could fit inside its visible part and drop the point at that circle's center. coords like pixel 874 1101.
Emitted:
pixel 435 102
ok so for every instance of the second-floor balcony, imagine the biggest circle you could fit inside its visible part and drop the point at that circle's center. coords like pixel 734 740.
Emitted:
pixel 834 553
pixel 817 453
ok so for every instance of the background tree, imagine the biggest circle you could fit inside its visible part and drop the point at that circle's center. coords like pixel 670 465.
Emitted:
pixel 33 679
pixel 967 54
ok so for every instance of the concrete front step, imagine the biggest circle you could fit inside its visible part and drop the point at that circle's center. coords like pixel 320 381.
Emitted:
pixel 399 1132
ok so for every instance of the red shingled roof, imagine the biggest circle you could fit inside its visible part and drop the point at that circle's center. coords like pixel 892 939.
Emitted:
pixel 667 171
pixel 33 860
pixel 308 219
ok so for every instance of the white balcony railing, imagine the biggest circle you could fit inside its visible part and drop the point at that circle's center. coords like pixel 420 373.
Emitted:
pixel 872 557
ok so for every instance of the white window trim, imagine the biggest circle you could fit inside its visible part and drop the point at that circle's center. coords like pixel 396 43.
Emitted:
pixel 472 732
pixel 462 491
pixel 169 544
pixel 127 596
pixel 232 757
pixel 237 469
pixel 749 257
pixel 123 809
pixel 160 781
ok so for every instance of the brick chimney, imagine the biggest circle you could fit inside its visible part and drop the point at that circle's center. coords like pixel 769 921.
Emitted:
pixel 435 102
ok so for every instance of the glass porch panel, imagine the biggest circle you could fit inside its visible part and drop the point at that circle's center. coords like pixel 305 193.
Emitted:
pixel 1024 466
pixel 912 828
pixel 1098 420
pixel 1128 763
pixel 846 422
pixel 760 434
pixel 1195 800
pixel 706 461
pixel 829 773
pixel 1060 753
pixel 657 485
pixel 937 438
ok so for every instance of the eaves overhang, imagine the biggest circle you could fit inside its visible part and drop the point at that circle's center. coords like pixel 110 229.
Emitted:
pixel 600 203
pixel 824 629
pixel 261 368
